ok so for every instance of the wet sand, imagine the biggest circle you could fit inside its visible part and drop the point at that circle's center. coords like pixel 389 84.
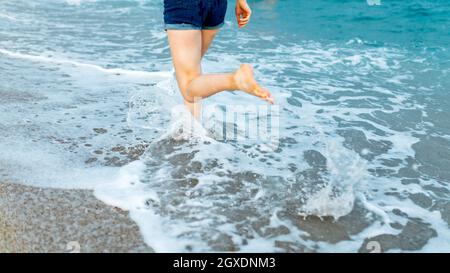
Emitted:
pixel 54 220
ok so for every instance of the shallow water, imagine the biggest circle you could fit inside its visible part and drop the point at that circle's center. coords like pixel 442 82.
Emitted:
pixel 363 147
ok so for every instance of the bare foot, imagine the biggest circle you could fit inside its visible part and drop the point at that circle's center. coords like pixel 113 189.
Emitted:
pixel 245 81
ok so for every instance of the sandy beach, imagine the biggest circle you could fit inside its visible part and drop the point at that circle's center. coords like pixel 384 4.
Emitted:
pixel 54 220
pixel 46 220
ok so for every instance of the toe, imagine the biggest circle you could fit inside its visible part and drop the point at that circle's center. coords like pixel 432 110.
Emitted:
pixel 264 92
pixel 267 96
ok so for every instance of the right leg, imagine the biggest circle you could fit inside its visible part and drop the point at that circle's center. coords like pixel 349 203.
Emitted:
pixel 186 50
pixel 206 85
pixel 243 78
pixel 207 38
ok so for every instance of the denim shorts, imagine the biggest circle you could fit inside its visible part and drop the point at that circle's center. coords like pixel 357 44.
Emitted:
pixel 194 14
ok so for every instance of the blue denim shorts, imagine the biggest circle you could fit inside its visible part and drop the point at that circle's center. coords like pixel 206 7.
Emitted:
pixel 194 14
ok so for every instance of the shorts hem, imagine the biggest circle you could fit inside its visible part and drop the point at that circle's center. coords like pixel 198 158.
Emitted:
pixel 182 26
pixel 186 26
pixel 213 27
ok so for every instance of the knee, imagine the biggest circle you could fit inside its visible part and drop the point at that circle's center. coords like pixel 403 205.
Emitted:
pixel 187 97
pixel 185 78
pixel 188 75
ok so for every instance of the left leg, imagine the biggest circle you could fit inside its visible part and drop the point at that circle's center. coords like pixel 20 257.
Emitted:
pixel 208 36
pixel 186 48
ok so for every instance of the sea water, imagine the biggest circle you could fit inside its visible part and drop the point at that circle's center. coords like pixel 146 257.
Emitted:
pixel 362 154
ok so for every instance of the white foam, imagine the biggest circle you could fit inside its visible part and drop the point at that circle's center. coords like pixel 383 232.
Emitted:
pixel 112 71
pixel 8 17
pixel 78 2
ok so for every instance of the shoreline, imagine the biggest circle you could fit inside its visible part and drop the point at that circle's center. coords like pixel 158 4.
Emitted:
pixel 36 219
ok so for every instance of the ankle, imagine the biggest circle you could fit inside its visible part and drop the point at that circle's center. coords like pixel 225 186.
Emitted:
pixel 233 81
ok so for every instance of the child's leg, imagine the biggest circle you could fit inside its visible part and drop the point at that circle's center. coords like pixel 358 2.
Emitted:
pixel 207 38
pixel 206 85
pixel 186 49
